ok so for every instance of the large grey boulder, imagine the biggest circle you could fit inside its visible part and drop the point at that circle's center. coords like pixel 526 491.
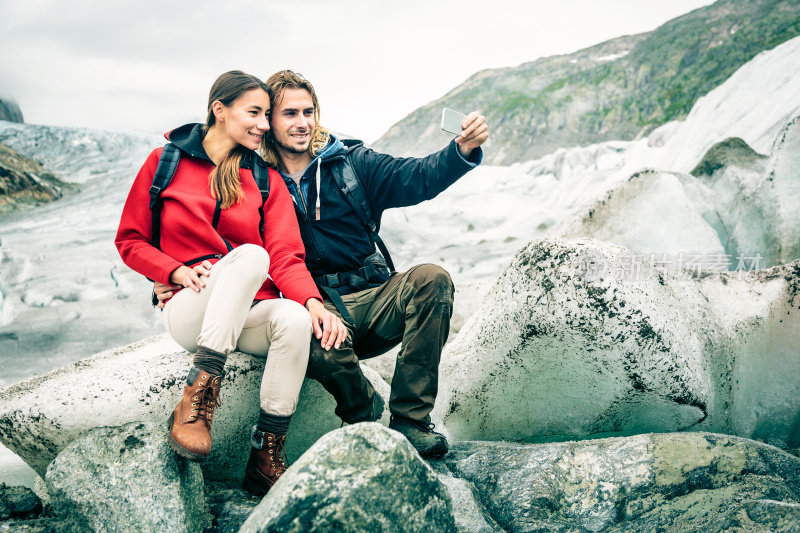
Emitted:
pixel 654 482
pixel 230 507
pixel 143 381
pixel 16 501
pixel 736 202
pixel 468 511
pixel 363 477
pixel 624 216
pixel 127 479
pixel 576 340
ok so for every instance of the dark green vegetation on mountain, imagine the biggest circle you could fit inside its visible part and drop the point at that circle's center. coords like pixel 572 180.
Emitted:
pixel 24 181
pixel 618 89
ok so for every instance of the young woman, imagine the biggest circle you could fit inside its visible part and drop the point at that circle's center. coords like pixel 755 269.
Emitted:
pixel 211 242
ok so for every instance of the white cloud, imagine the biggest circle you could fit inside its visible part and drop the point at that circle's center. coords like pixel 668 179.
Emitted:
pixel 145 65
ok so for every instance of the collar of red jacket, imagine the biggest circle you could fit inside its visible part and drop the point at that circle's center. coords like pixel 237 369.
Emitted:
pixel 189 139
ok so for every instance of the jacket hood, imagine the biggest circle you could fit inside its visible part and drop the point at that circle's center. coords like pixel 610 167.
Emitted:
pixel 189 138
pixel 335 146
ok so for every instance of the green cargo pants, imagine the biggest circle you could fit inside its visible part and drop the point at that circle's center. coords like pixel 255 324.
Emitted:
pixel 414 308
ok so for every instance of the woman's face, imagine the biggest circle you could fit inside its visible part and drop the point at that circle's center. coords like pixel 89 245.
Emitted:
pixel 246 120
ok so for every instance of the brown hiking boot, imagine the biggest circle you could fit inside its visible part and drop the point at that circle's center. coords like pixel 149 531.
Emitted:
pixel 266 463
pixel 189 431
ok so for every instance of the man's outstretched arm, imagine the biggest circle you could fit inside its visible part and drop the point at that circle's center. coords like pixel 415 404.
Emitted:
pixel 398 182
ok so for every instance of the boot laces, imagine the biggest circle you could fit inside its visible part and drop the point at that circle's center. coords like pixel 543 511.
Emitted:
pixel 208 400
pixel 280 457
pixel 427 427
pixel 276 453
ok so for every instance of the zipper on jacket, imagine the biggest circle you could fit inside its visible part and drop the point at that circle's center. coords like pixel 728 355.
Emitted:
pixel 201 259
pixel 307 220
pixel 302 200
pixel 310 231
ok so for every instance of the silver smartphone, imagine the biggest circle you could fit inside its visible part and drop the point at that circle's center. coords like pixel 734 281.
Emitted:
pixel 451 121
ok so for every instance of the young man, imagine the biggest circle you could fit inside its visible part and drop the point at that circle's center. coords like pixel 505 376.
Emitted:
pixel 379 308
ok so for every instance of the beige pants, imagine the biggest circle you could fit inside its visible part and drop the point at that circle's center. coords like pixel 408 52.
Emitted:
pixel 220 317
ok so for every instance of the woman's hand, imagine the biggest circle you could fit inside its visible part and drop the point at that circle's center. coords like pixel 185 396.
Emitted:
pixel 327 326
pixel 191 278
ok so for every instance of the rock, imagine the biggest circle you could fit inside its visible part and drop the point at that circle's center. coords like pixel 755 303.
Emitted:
pixel 470 515
pixel 314 416
pixel 363 477
pixel 776 516
pixel 578 339
pixel 40 489
pixel 37 525
pixel 730 152
pixel 230 507
pixel 10 111
pixel 143 381
pixel 24 181
pixel 781 185
pixel 654 482
pixel 737 203
pixel 624 216
pixel 127 479
pixel 18 502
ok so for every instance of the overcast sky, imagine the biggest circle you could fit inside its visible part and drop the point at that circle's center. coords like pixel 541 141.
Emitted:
pixel 147 66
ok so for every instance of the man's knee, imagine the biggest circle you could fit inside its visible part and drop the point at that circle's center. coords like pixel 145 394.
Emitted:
pixel 323 363
pixel 434 282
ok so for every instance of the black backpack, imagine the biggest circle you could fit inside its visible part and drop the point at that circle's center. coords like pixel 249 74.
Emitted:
pixel 350 185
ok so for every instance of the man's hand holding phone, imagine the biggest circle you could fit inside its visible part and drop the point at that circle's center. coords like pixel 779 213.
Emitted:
pixel 471 129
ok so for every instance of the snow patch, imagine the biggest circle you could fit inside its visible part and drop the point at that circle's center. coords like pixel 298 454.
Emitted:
pixel 611 57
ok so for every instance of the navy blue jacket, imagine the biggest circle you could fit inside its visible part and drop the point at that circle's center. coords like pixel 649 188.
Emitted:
pixel 338 242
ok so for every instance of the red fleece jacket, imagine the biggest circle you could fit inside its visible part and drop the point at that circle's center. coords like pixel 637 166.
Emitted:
pixel 187 233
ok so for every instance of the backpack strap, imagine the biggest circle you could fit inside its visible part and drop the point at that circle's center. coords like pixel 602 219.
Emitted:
pixel 338 303
pixel 215 222
pixel 261 175
pixel 167 164
pixel 350 185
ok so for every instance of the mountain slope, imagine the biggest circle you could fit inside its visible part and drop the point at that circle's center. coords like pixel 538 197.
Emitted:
pixel 10 111
pixel 23 181
pixel 618 89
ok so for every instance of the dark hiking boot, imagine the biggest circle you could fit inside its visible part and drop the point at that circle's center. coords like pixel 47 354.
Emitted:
pixel 189 425
pixel 377 407
pixel 421 435
pixel 375 412
pixel 266 464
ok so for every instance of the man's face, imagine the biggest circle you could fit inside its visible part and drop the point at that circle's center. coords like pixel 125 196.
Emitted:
pixel 292 121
